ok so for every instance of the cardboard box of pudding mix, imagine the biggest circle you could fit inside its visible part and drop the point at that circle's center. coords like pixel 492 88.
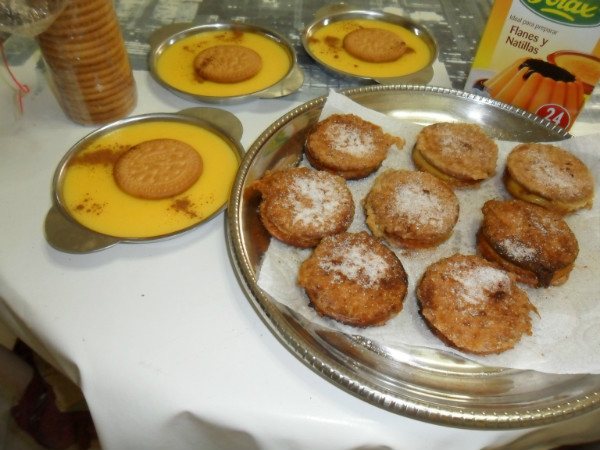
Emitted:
pixel 540 55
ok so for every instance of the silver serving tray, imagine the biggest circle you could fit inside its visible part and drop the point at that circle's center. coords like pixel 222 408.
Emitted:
pixel 339 12
pixel 424 384
pixel 63 232
pixel 164 37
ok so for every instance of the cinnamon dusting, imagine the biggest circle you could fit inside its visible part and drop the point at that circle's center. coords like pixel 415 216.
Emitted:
pixel 102 156
pixel 88 205
pixel 184 205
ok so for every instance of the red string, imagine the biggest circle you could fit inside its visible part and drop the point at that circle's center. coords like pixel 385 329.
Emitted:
pixel 23 88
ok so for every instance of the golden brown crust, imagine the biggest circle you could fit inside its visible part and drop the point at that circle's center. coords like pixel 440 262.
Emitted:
pixel 461 154
pixel 534 243
pixel 300 206
pixel 549 176
pixel 374 45
pixel 473 305
pixel 227 63
pixel 411 209
pixel 348 145
pixel 159 168
pixel 355 279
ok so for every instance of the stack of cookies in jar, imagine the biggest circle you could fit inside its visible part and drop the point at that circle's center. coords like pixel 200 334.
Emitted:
pixel 88 63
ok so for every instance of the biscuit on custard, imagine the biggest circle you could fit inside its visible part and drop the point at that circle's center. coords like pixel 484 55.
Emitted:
pixel 227 63
pixel 411 209
pixel 534 243
pixel 460 154
pixel 374 45
pixel 473 305
pixel 300 206
pixel 158 168
pixel 348 145
pixel 549 176
pixel 355 279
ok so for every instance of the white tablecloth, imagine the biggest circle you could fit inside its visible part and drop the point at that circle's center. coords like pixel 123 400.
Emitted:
pixel 165 346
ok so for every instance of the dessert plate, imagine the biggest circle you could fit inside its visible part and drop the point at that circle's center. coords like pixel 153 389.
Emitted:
pixel 83 227
pixel 327 50
pixel 283 59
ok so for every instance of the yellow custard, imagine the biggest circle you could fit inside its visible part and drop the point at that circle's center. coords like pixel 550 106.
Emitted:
pixel 175 65
pixel 326 44
pixel 587 69
pixel 91 196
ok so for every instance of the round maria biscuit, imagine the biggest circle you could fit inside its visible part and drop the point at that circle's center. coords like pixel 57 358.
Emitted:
pixel 227 63
pixel 300 206
pixel 374 45
pixel 473 305
pixel 549 176
pixel 101 110
pixel 348 145
pixel 88 60
pixel 534 243
pixel 71 48
pixel 159 168
pixel 75 22
pixel 411 209
pixel 355 279
pixel 460 154
pixel 111 87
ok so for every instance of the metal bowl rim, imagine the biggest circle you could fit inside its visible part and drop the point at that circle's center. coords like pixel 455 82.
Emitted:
pixel 403 21
pixel 159 47
pixel 122 123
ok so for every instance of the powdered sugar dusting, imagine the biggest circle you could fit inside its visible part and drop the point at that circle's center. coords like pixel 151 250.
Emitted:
pixel 316 200
pixel 545 172
pixel 450 142
pixel 356 262
pixel 419 206
pixel 350 140
pixel 517 250
pixel 478 283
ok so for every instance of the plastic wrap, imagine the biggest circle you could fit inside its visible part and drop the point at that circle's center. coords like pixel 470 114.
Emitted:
pixel 28 17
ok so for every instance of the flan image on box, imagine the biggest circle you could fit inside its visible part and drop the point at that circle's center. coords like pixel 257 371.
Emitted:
pixel 539 87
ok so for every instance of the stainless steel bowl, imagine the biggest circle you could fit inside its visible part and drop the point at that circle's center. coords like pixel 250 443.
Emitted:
pixel 65 233
pixel 164 37
pixel 339 12
pixel 424 384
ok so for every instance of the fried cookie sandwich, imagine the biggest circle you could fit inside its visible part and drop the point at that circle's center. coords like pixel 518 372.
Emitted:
pixel 355 279
pixel 549 176
pixel 348 145
pixel 411 210
pixel 473 305
pixel 534 243
pixel 460 154
pixel 300 206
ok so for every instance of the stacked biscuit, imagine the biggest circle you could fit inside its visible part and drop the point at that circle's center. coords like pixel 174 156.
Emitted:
pixel 85 53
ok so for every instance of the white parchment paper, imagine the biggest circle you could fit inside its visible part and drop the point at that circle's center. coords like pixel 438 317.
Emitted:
pixel 566 334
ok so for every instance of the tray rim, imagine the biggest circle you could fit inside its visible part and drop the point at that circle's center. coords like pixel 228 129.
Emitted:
pixel 308 351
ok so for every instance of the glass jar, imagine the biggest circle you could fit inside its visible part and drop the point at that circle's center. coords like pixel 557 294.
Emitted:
pixel 86 58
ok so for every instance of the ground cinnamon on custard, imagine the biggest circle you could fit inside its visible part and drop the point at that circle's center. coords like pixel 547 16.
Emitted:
pixel 90 206
pixel 184 205
pixel 101 156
